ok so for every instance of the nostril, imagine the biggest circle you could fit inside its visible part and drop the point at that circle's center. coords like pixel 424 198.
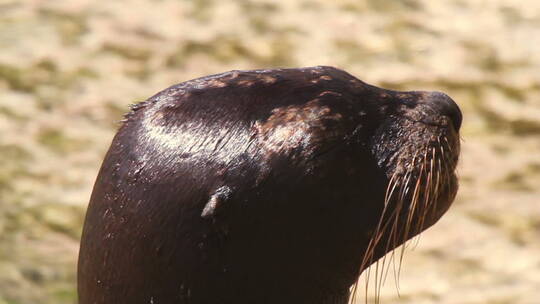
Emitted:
pixel 444 105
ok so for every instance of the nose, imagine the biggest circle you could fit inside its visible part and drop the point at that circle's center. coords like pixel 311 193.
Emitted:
pixel 444 105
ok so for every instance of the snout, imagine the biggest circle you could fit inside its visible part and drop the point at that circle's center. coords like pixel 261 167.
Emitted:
pixel 443 105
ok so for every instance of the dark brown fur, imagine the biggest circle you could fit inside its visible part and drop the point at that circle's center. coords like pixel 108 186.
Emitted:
pixel 268 186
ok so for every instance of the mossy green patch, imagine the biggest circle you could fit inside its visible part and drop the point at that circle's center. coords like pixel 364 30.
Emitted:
pixel 15 78
pixel 13 160
pixel 44 72
pixel 352 51
pixel 11 153
pixel 226 49
pixel 70 26
pixel 128 52
pixel 57 141
pixel 499 123
pixel 259 15
pixel 201 10
pixel 516 181
pixel 65 294
pixel 39 220
pixel 389 5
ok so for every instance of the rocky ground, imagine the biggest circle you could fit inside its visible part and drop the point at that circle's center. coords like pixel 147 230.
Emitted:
pixel 68 70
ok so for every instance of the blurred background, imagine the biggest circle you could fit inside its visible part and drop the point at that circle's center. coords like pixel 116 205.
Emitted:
pixel 69 69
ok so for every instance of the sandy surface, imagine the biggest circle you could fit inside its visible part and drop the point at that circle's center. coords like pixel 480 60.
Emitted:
pixel 68 70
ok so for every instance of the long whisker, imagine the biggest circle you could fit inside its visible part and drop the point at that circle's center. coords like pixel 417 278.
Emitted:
pixel 410 214
pixel 393 241
pixel 376 236
pixel 410 202
pixel 415 204
pixel 428 197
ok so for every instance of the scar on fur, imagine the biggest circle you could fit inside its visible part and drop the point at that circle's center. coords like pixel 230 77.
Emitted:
pixel 218 198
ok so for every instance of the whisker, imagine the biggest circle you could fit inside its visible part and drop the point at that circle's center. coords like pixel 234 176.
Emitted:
pixel 448 144
pixel 392 239
pixel 410 203
pixel 376 236
pixel 427 202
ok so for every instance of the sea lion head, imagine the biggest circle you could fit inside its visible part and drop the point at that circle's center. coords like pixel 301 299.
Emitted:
pixel 266 186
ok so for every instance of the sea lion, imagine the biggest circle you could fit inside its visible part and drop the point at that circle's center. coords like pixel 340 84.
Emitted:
pixel 264 186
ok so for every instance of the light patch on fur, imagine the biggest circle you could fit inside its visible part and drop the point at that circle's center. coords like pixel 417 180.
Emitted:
pixel 267 78
pixel 220 196
pixel 246 83
pixel 162 129
pixel 296 127
pixel 329 93
pixel 321 78
pixel 234 74
pixel 285 137
pixel 216 84
pixel 325 77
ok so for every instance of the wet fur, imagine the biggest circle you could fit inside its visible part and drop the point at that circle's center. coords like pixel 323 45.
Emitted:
pixel 268 186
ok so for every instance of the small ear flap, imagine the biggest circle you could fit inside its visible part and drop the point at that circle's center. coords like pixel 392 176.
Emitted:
pixel 216 201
